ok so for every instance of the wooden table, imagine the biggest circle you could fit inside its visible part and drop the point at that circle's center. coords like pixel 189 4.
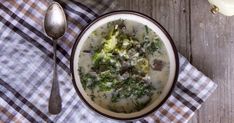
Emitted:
pixel 206 40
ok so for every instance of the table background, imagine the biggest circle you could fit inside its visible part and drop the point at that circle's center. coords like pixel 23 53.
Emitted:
pixel 207 40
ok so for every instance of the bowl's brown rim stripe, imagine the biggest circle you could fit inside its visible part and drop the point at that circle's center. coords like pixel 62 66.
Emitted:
pixel 141 15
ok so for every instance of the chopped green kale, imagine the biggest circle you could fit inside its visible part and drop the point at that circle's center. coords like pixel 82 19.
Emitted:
pixel 120 64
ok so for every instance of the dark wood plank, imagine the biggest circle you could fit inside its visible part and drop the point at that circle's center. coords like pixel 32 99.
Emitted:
pixel 212 43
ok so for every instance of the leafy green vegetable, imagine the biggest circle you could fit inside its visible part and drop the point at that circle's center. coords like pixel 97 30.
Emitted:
pixel 154 46
pixel 107 79
pixel 146 29
pixel 142 65
pixel 111 41
pixel 119 65
pixel 131 87
pixel 88 80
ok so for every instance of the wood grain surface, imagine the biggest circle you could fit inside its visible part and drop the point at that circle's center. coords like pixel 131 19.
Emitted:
pixel 207 40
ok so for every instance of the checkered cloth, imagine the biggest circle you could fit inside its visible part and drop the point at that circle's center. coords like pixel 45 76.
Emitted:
pixel 26 67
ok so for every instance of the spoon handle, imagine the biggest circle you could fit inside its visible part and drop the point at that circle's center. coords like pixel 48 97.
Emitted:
pixel 55 103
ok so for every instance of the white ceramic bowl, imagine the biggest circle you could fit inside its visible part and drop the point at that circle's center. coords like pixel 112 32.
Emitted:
pixel 160 31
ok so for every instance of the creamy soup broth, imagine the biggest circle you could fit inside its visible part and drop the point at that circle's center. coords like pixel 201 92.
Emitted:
pixel 121 44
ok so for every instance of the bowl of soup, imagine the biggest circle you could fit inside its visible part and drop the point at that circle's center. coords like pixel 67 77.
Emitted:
pixel 124 65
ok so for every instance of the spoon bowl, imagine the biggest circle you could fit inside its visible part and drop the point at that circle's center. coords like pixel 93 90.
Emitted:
pixel 55 21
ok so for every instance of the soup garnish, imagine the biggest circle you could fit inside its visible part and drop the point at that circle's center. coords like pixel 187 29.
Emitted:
pixel 124 66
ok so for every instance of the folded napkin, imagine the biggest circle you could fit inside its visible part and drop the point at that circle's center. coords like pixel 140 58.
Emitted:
pixel 26 67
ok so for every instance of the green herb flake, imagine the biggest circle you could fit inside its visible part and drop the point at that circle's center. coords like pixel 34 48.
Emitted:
pixel 146 29
pixel 119 65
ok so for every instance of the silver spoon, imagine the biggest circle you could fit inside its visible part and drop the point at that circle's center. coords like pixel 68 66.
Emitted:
pixel 55 26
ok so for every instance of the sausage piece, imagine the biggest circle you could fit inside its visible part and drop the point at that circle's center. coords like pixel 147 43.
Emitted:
pixel 157 65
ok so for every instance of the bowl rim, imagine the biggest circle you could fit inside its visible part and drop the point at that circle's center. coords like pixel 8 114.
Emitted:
pixel 154 22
